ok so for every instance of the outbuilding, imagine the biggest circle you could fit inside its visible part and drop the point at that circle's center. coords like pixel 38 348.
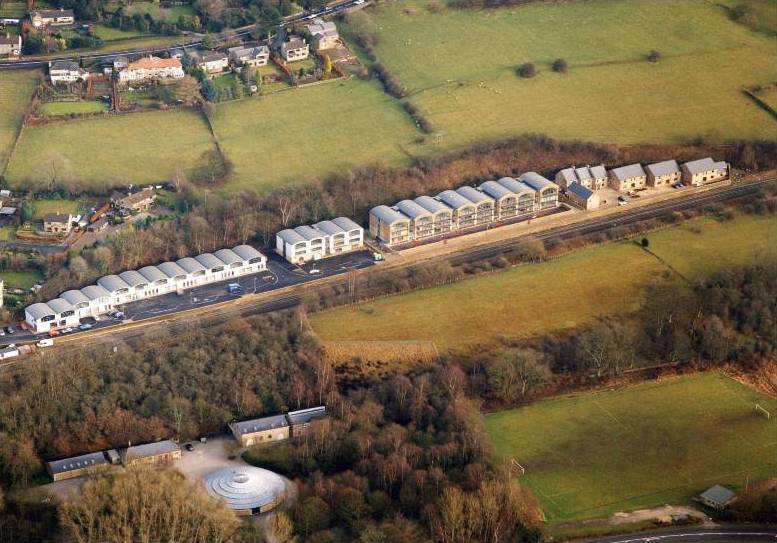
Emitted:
pixel 717 497
pixel 262 430
pixel 161 452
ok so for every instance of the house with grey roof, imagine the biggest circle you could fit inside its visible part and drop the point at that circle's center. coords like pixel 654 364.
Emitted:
pixel 704 170
pixel 66 71
pixel 662 174
pixel 10 46
pixel 211 62
pixel 294 48
pixel 320 240
pixel 546 191
pixel 324 34
pixel 566 177
pixel 78 466
pixel 718 497
pixel 389 225
pixel 628 178
pixel 582 197
pixel 598 176
pixel 262 430
pixel 302 420
pixel 161 452
pixel 258 55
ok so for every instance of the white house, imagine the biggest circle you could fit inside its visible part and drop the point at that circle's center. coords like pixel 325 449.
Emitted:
pixel 294 49
pixel 150 67
pixel 120 292
pixel 10 46
pixel 66 71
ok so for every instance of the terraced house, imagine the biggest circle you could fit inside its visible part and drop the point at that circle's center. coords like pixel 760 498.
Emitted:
pixel 628 178
pixel 663 173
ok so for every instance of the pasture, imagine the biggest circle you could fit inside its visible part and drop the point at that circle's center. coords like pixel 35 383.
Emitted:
pixel 137 148
pixel 68 108
pixel 298 134
pixel 597 453
pixel 466 85
pixel 16 88
pixel 453 318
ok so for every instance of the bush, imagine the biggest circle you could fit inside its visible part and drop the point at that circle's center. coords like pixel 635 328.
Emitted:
pixel 653 56
pixel 527 70
pixel 560 66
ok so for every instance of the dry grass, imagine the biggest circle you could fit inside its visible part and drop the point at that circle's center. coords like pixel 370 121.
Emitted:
pixel 359 359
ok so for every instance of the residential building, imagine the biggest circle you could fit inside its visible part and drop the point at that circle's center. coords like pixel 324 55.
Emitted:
pixel 300 422
pixel 442 215
pixel 389 225
pixel 294 49
pixel 10 46
pixel 546 192
pixel 41 18
pixel 57 313
pixel 484 204
pixel 598 176
pixel 78 466
pixel 628 178
pixel 663 173
pixel 717 497
pixel 343 235
pixel 151 67
pixel 66 71
pixel 704 170
pixel 79 301
pixel 263 430
pixel 211 62
pixel 324 33
pixel 136 202
pixel 421 219
pixel 566 177
pixel 583 197
pixel 57 223
pixel 464 210
pixel 120 292
pixel 320 240
pixel 100 300
pixel 505 200
pixel 249 56
pixel 526 196
pixel 159 453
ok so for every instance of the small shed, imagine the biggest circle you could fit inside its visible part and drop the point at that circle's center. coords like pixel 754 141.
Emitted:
pixel 717 497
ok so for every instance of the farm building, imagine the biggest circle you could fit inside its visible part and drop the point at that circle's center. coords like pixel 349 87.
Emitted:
pixel 582 197
pixel 151 67
pixel 66 71
pixel 78 466
pixel 136 202
pixel 161 452
pixel 303 420
pixel 246 490
pixel 546 192
pixel 717 497
pixel 663 173
pixel 324 34
pixel 389 225
pixel 627 178
pixel 263 430
pixel 704 170
pixel 41 18
pixel 57 223
pixel 249 56
pixel 10 46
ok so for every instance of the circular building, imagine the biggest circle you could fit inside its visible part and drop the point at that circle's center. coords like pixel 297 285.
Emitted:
pixel 246 489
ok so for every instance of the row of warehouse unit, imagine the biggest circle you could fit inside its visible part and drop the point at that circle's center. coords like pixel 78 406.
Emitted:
pixel 320 240
pixel 133 285
pixel 467 207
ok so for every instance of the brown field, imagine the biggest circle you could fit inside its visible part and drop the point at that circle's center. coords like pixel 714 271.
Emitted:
pixel 359 359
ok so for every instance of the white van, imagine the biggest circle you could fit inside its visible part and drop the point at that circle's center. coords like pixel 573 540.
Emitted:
pixel 47 342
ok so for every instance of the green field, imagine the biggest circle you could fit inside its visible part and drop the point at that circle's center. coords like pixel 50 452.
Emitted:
pixel 16 88
pixel 576 288
pixel 14 10
pixel 301 133
pixel 43 207
pixel 157 13
pixel 656 443
pixel 21 279
pixel 135 148
pixel 67 108
pixel 465 82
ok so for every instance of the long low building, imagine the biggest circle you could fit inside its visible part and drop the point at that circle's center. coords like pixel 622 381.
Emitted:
pixel 147 282
pixel 320 240
pixel 277 427
pixel 427 217
pixel 77 466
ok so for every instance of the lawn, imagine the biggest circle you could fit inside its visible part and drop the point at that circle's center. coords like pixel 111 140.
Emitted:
pixel 594 454
pixel 16 88
pixel 21 279
pixel 13 10
pixel 466 84
pixel 108 33
pixel 43 207
pixel 137 148
pixel 578 288
pixel 67 108
pixel 157 13
pixel 302 133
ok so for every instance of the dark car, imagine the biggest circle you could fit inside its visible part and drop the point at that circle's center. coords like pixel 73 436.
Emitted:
pixel 9 330
pixel 189 447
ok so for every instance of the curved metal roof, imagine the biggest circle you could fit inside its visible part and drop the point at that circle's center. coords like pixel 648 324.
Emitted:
pixel 152 273
pixel 536 181
pixel 516 186
pixel 474 195
pixel 412 209
pixel 228 257
pixel 94 292
pixel 190 265
pixel 291 237
pixel 453 199
pixel 209 261
pixel 40 310
pixel 133 278
pixel 245 487
pixel 112 283
pixel 308 232
pixel 171 269
pixel 75 297
pixel 430 204
pixel 346 224
pixel 329 228
pixel 58 305
pixel 246 252
pixel 387 215
pixel 495 190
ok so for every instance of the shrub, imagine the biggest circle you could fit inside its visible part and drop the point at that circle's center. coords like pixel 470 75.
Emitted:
pixel 653 56
pixel 527 70
pixel 560 66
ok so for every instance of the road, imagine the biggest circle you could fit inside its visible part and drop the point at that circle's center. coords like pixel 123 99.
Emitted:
pixel 716 534
pixel 241 32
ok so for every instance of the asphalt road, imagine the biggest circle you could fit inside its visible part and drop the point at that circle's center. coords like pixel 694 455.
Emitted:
pixel 241 32
pixel 717 534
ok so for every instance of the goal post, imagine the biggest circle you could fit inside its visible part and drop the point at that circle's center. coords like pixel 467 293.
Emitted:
pixel 516 467
pixel 763 411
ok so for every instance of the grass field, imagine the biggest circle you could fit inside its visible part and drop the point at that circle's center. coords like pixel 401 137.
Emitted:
pixel 301 133
pixel 466 84
pixel 651 444
pixel 66 108
pixel 16 88
pixel 576 288
pixel 13 10
pixel 22 279
pixel 136 148
pixel 43 207
pixel 157 13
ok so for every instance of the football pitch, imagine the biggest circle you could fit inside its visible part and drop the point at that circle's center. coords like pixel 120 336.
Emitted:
pixel 656 443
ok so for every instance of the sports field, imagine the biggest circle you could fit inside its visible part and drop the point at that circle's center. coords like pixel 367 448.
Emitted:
pixel 302 133
pixel 136 148
pixel 16 88
pixel 656 443
pixel 564 293
pixel 466 84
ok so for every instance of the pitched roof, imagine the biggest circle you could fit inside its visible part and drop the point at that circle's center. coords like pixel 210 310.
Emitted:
pixel 77 462
pixel 259 425
pixel 252 52
pixel 718 494
pixel 580 190
pixel 150 449
pixel 583 173
pixel 52 13
pixel 64 65
pixel 598 172
pixel 663 168
pixel 568 174
pixel 56 217
pixel 627 172
pixel 211 56
pixel 701 165
pixel 306 415
pixel 154 63
pixel 138 197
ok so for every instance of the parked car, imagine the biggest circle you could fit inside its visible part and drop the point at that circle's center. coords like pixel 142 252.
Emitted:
pixel 622 201
pixel 9 330
pixel 314 271
pixel 189 447
pixel 85 326
pixel 2 332
pixel 118 315
pixel 53 333
pixel 234 288
pixel 45 342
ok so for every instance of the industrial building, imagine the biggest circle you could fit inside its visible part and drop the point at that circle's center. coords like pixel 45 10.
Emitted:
pixel 320 240
pixel 147 282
